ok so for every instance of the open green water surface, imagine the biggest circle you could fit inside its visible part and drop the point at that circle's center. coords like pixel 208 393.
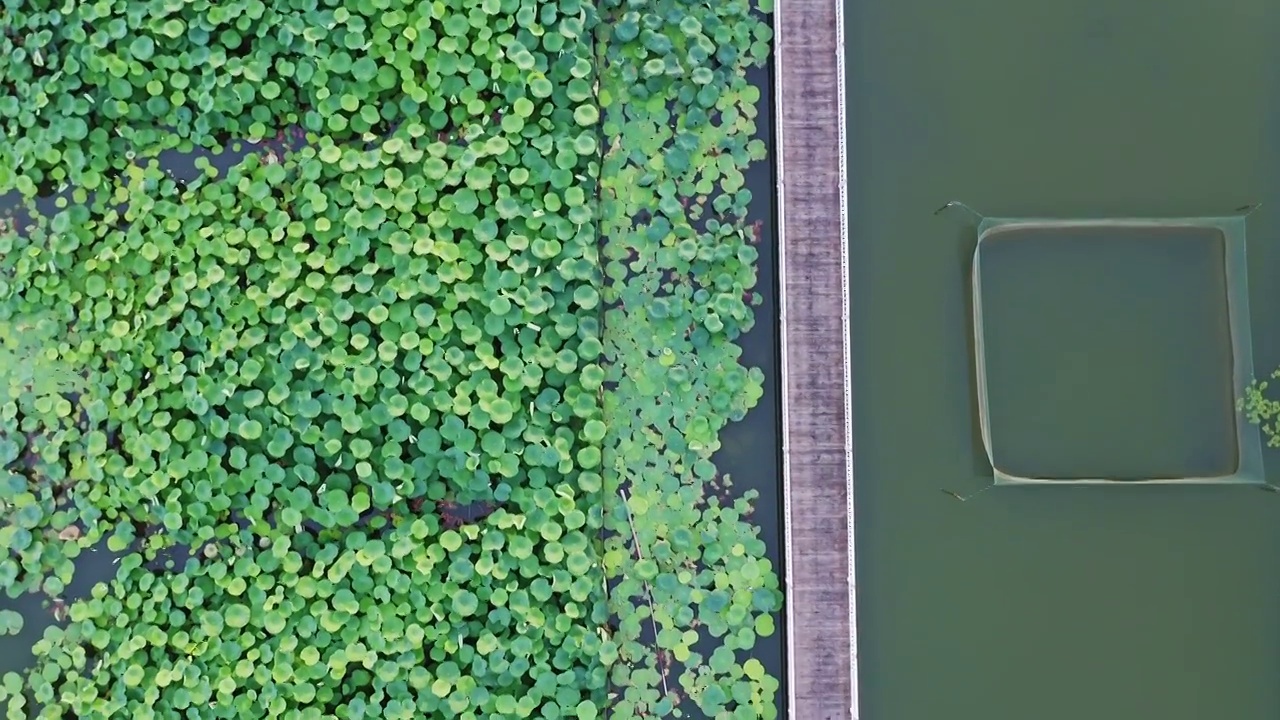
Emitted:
pixel 1056 602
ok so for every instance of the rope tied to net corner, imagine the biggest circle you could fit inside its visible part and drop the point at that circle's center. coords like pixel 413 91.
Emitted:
pixel 962 206
pixel 970 496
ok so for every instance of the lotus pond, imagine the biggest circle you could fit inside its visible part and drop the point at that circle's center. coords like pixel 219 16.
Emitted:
pixel 385 359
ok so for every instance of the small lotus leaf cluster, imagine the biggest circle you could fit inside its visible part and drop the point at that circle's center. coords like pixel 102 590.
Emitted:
pixel 352 411
pixel 1263 410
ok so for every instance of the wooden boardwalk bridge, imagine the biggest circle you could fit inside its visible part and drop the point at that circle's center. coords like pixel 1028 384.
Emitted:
pixel 817 450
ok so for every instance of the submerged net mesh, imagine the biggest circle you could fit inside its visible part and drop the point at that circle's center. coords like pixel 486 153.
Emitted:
pixel 1052 300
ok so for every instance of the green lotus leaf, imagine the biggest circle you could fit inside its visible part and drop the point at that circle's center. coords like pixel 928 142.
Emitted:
pixel 249 429
pixel 479 178
pixel 435 168
pixel 465 603
pixel 237 615
pixel 450 540
pixel 540 86
pixel 11 622
pixel 593 431
pixel 142 48
pixel 519 546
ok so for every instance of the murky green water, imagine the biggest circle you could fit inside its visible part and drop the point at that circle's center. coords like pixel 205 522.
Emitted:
pixel 1061 602
pixel 1108 352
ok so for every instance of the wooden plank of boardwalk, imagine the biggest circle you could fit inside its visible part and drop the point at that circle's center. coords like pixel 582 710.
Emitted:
pixel 819 592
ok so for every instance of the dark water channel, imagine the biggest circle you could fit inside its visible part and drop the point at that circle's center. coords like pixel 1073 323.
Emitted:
pixel 751 450
pixel 1058 602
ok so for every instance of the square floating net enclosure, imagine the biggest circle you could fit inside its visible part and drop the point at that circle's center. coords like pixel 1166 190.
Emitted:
pixel 1114 351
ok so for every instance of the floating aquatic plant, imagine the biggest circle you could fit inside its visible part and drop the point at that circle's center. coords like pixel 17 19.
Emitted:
pixel 1262 410
pixel 428 397
pixel 679 264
